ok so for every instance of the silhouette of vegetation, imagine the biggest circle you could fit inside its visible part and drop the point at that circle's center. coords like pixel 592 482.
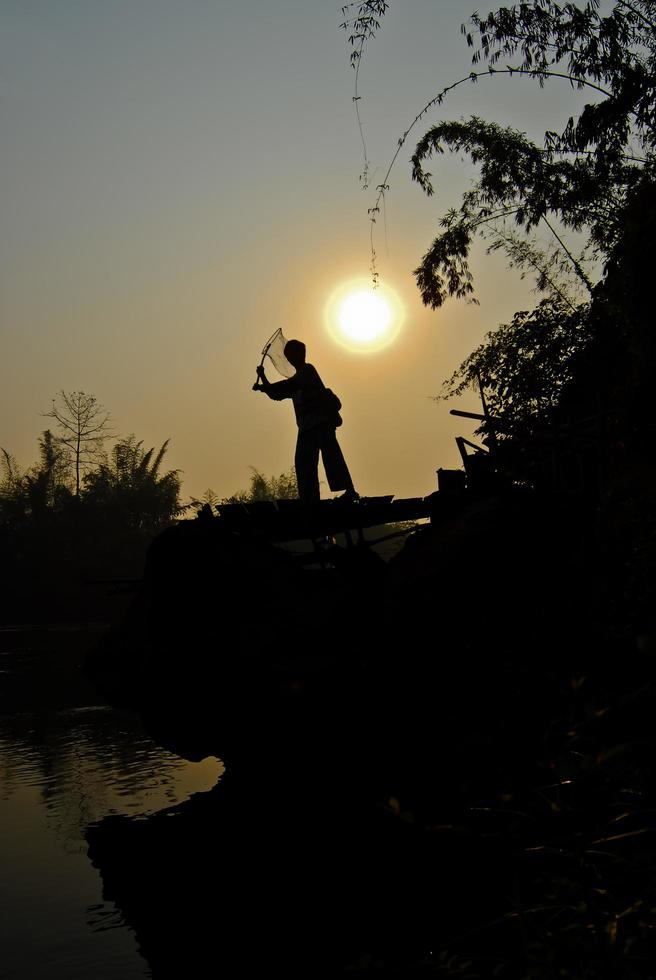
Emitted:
pixel 361 20
pixel 261 487
pixel 128 486
pixel 208 499
pixel 39 492
pixel 586 349
pixel 281 487
pixel 80 513
pixel 525 365
pixel 581 175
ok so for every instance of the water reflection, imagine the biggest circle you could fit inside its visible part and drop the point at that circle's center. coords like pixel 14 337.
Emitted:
pixel 61 770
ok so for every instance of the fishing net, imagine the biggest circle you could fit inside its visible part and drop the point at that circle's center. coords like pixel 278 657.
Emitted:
pixel 274 349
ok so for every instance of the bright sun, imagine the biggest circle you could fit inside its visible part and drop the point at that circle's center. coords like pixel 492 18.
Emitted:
pixel 364 316
pixel 363 319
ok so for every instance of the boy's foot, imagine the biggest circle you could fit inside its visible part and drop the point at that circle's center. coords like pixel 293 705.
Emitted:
pixel 349 496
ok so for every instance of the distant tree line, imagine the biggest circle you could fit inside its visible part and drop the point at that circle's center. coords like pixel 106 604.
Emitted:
pixel 261 487
pixel 85 512
pixel 282 487
pixel 75 475
pixel 82 511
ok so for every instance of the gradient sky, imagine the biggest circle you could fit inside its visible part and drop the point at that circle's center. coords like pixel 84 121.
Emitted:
pixel 181 178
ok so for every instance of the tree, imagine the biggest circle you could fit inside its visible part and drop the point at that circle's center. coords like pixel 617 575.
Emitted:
pixel 128 484
pixel 281 487
pixel 83 426
pixel 47 483
pixel 40 490
pixel 12 490
pixel 580 177
pixel 10 475
pixel 594 176
pixel 525 365
pixel 209 499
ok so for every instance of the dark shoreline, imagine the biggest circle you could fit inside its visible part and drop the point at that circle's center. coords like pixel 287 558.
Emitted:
pixel 415 759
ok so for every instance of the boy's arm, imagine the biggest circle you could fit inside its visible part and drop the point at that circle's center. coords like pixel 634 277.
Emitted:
pixel 279 389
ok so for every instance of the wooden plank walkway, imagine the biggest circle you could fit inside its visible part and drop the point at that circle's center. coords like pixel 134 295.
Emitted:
pixel 293 520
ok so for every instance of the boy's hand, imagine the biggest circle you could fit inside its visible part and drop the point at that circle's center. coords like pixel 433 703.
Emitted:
pixel 260 371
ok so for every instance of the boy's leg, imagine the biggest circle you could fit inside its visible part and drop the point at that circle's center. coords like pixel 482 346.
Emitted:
pixel 337 472
pixel 306 463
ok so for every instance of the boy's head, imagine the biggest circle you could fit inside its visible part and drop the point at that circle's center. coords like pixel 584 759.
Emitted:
pixel 295 352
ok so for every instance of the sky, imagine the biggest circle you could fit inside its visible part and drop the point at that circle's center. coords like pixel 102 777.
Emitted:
pixel 181 177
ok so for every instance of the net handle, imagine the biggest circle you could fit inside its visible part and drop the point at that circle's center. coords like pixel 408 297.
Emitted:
pixel 265 351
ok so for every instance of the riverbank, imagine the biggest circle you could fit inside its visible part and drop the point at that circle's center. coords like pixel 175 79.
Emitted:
pixel 447 759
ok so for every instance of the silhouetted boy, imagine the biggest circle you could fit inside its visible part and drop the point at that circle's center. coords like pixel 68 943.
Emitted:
pixel 317 421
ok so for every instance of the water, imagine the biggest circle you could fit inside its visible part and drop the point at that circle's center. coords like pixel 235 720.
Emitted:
pixel 67 760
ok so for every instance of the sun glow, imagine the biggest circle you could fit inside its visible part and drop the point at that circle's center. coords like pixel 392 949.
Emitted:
pixel 363 319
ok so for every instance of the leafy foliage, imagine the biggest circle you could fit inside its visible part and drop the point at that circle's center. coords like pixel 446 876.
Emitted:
pixel 362 19
pixel 551 268
pixel 41 491
pixel 519 180
pixel 54 534
pixel 615 53
pixel 281 487
pixel 10 475
pixel 582 175
pixel 128 482
pixel 47 485
pixel 525 365
pixel 580 178
pixel 590 350
pixel 208 499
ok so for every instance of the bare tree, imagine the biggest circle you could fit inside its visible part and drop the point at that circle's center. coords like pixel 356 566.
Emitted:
pixel 83 427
